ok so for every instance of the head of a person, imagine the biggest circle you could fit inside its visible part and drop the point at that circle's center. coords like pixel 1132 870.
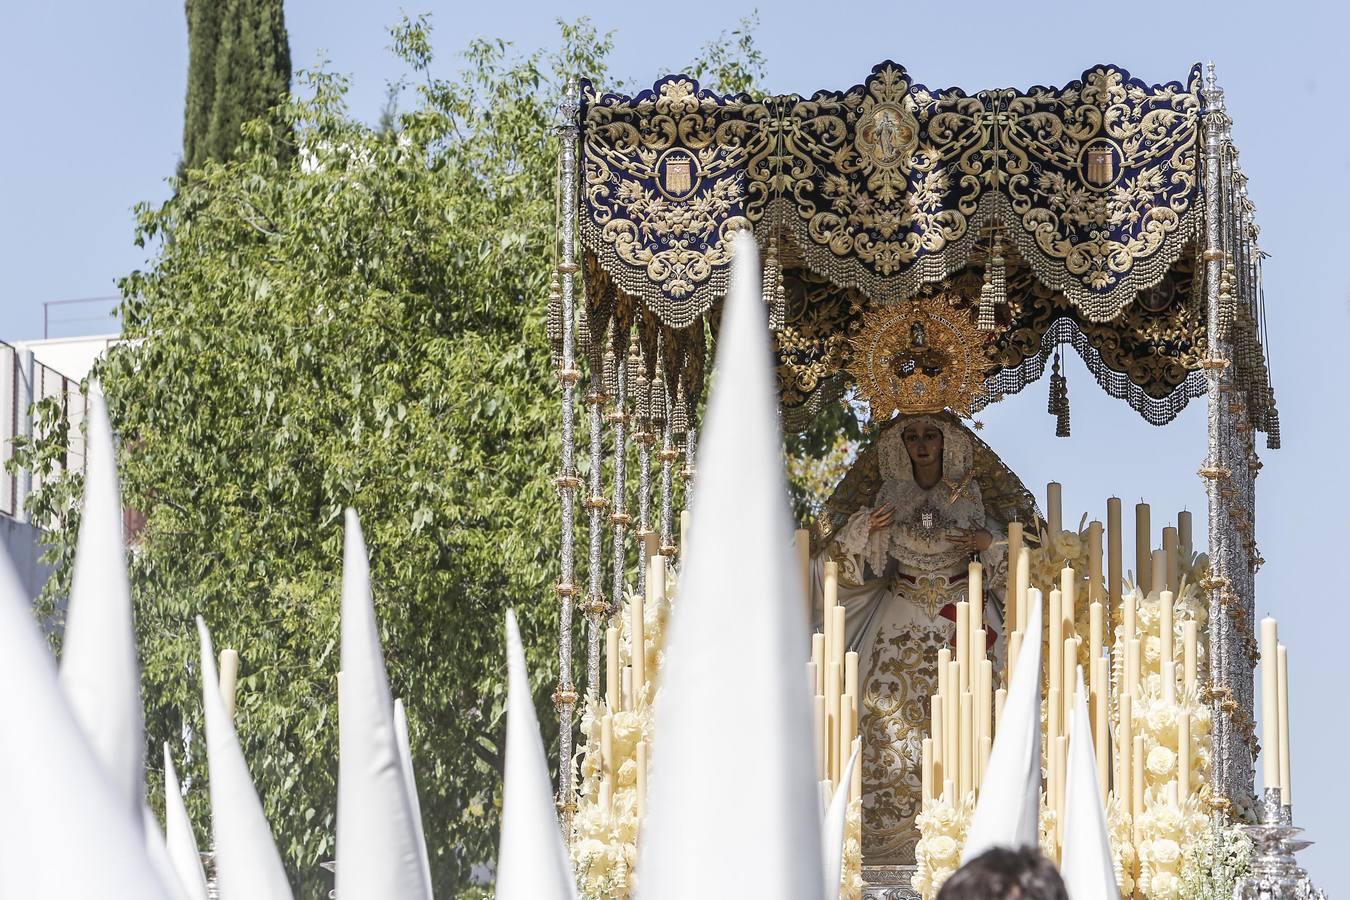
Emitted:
pixel 1005 874
pixel 923 443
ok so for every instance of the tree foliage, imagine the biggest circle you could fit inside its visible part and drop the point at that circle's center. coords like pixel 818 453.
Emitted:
pixel 239 69
pixel 360 323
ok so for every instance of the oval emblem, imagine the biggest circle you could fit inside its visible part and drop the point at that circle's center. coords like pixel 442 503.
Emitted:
pixel 887 135
pixel 677 174
pixel 1100 163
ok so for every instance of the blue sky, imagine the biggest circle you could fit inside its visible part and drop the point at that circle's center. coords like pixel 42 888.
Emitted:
pixel 93 106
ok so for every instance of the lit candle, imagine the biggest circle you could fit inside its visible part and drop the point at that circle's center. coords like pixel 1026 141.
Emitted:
pixel 1143 546
pixel 1189 640
pixel 1185 536
pixel 1172 551
pixel 229 678
pixel 1054 508
pixel 927 770
pixel 1184 754
pixel 1270 710
pixel 1114 550
pixel 1286 792
pixel 612 684
pixel 1166 626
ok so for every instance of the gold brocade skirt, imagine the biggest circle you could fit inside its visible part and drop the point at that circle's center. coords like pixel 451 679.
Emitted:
pixel 912 622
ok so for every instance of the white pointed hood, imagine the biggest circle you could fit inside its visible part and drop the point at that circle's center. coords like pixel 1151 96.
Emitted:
pixel 377 843
pixel 532 863
pixel 724 817
pixel 99 675
pixel 405 759
pixel 832 834
pixel 179 839
pixel 1086 857
pixel 1009 809
pixel 66 828
pixel 248 866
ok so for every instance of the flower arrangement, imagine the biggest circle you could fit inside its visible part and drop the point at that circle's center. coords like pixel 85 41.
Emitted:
pixel 1211 868
pixel 942 829
pixel 851 880
pixel 605 826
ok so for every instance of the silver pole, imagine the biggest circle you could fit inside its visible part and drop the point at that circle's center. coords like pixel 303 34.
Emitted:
pixel 565 695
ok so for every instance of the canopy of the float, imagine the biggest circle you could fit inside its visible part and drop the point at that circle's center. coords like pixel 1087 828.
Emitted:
pixel 1019 221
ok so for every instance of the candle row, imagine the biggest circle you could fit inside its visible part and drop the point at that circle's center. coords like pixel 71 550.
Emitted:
pixel 832 675
pixel 965 707
pixel 1275 770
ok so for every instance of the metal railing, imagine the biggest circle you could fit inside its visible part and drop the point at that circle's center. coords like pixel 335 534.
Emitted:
pixel 23 382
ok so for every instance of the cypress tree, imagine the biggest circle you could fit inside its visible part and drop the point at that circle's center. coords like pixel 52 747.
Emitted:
pixel 239 68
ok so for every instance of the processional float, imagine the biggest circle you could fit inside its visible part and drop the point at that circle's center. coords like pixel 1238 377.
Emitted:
pixel 923 250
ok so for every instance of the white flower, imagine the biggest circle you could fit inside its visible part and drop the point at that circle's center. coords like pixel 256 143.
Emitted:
pixel 1166 852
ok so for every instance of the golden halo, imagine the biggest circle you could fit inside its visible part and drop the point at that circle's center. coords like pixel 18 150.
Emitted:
pixel 920 356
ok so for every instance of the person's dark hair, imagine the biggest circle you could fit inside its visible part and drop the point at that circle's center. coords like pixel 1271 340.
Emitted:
pixel 1003 874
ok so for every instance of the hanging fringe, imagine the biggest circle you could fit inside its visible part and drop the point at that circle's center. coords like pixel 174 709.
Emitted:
pixel 994 291
pixel 1227 307
pixel 775 295
pixel 555 321
pixel 1058 404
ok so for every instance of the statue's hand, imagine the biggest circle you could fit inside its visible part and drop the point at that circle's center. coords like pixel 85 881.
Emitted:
pixel 976 540
pixel 881 517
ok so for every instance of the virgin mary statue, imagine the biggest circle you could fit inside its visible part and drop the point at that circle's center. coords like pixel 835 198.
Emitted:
pixel 925 499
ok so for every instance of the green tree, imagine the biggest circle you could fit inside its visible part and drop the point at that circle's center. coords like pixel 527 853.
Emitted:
pixel 361 323
pixel 239 69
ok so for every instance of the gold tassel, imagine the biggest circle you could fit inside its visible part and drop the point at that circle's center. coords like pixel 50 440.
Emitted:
pixel 774 293
pixel 994 291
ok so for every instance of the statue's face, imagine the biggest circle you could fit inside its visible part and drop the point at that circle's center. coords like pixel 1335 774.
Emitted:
pixel 923 442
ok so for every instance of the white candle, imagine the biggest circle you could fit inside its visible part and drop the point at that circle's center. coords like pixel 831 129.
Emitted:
pixel 1010 595
pixel 1068 588
pixel 229 678
pixel 963 644
pixel 1056 648
pixel 627 687
pixel 1054 508
pixel 1132 655
pixel 1137 780
pixel 1184 755
pixel 975 579
pixel 1114 550
pixel 1125 737
pixel 612 684
pixel 833 676
pixel 840 636
pixel 939 738
pixel 1095 587
pixel 1101 737
pixel 1172 552
pixel 1166 626
pixel 818 657
pixel 1000 697
pixel 1023 586
pixel 607 762
pixel 927 771
pixel 967 776
pixel 822 755
pixel 1189 641
pixel 851 683
pixel 1143 547
pixel 1270 708
pixel 1168 674
pixel 656 572
pixel 1286 791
